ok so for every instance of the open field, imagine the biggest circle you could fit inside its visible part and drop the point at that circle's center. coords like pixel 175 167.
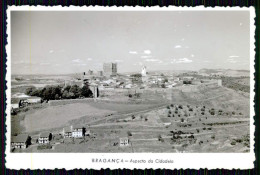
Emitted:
pixel 202 119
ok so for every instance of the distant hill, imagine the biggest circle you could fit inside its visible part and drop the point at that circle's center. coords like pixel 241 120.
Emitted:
pixel 225 72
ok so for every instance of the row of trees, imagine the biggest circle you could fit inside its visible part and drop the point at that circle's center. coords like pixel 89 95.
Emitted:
pixel 59 92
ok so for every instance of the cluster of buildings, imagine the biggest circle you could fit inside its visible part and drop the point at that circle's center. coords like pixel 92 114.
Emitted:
pixel 22 141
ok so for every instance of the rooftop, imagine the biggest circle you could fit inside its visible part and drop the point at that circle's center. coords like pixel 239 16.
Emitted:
pixel 45 134
pixel 77 127
pixel 21 138
pixel 15 100
pixel 67 129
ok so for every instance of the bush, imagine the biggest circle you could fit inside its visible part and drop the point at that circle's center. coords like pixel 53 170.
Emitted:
pixel 190 109
pixel 172 105
pixel 197 130
pixel 233 142
pixel 129 133
pixel 133 117
pixel 130 96
pixel 173 115
pixel 233 113
pixel 169 112
pixel 168 107
pixel 169 115
pixel 180 106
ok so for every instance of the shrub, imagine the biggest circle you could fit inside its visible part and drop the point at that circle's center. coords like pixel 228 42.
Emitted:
pixel 197 130
pixel 168 107
pixel 213 137
pixel 172 115
pixel 233 142
pixel 180 106
pixel 233 113
pixel 169 115
pixel 129 133
pixel 133 117
pixel 169 112
pixel 182 120
pixel 172 105
pixel 130 96
pixel 190 109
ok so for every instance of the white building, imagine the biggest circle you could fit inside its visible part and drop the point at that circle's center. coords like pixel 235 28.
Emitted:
pixel 16 103
pixel 124 141
pixel 143 72
pixel 44 138
pixel 20 141
pixel 78 131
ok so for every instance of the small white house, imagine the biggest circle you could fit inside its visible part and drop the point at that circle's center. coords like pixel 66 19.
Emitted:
pixel 44 138
pixel 20 141
pixel 16 103
pixel 124 141
pixel 78 131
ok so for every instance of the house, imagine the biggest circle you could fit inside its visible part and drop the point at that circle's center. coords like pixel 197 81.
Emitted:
pixel 20 141
pixel 45 138
pixel 67 132
pixel 124 141
pixel 78 131
pixel 16 103
pixel 33 100
pixel 166 121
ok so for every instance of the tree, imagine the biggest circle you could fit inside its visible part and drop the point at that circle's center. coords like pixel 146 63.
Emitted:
pixel 129 133
pixel 75 89
pixel 86 92
pixel 30 90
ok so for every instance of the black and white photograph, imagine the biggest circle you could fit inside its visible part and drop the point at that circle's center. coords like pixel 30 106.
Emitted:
pixel 130 81
pixel 138 81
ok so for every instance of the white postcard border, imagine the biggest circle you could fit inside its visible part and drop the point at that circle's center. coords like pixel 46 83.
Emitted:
pixel 84 160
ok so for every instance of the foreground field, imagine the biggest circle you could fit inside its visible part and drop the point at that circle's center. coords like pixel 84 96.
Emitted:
pixel 195 119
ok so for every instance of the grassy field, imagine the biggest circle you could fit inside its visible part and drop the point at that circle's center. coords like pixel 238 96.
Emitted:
pixel 206 119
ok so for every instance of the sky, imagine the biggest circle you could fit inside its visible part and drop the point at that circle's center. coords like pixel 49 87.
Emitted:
pixel 73 42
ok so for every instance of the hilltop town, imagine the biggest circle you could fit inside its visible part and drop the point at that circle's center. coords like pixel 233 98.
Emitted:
pixel 145 111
